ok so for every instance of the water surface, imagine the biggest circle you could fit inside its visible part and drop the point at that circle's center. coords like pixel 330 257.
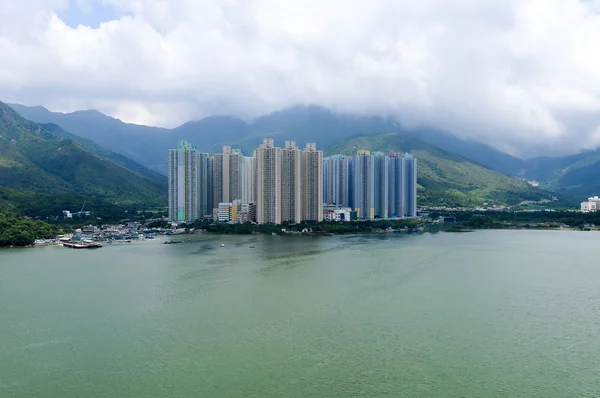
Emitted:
pixel 485 314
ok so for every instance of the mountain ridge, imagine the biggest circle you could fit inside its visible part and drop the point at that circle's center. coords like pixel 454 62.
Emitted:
pixel 47 160
pixel 148 145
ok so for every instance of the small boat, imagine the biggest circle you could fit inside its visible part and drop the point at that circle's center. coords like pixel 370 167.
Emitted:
pixel 222 244
pixel 252 247
pixel 82 245
pixel 172 242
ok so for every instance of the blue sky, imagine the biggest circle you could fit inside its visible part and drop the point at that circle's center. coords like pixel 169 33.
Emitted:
pixel 90 13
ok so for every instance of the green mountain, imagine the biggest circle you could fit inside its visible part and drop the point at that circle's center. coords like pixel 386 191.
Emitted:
pixel 576 175
pixel 46 160
pixel 96 149
pixel 571 175
pixel 148 145
pixel 445 178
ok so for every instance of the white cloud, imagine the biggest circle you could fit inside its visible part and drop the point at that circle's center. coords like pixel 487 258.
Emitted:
pixel 520 74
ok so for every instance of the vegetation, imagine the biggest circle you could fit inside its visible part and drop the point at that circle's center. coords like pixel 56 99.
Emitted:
pixel 36 159
pixel 147 145
pixel 532 220
pixel 18 231
pixel 337 228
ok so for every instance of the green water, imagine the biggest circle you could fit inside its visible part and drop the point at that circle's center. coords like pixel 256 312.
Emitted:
pixel 486 314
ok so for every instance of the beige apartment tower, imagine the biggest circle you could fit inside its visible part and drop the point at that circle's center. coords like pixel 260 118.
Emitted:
pixel 291 183
pixel 268 183
pixel 312 183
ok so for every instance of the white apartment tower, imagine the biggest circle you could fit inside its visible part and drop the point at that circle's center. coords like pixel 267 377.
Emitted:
pixel 268 183
pixel 183 183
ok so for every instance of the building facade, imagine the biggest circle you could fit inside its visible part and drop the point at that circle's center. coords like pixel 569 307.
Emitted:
pixel 592 205
pixel 312 184
pixel 409 168
pixel 364 185
pixel 291 183
pixel 248 173
pixel 380 184
pixel 268 183
pixel 183 183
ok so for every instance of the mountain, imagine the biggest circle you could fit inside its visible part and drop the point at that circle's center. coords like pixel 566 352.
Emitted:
pixel 96 149
pixel 445 178
pixel 572 175
pixel 576 175
pixel 476 151
pixel 149 145
pixel 45 159
pixel 143 144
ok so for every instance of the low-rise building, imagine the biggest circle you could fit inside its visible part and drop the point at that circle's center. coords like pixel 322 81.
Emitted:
pixel 592 204
pixel 337 214
pixel 246 213
pixel 226 212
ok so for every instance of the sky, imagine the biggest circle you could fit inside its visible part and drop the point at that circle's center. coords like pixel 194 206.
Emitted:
pixel 521 75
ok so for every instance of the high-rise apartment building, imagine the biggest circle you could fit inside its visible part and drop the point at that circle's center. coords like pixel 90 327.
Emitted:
pixel 384 186
pixel 268 183
pixel 364 185
pixel 409 168
pixel 248 174
pixel 291 183
pixel 210 185
pixel 204 182
pixel 183 183
pixel 396 186
pixel 235 174
pixel 380 184
pixel 312 183
pixel 337 180
pixel 217 180
pixel 227 175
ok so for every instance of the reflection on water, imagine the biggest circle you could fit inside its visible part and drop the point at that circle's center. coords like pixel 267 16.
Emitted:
pixel 494 313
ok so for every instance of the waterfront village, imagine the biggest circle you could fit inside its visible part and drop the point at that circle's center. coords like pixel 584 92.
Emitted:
pixel 293 191
pixel 448 218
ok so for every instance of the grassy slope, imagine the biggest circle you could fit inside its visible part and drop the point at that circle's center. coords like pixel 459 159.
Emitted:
pixel 445 178
pixel 35 159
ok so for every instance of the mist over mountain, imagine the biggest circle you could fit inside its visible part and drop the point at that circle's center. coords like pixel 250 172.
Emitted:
pixel 570 175
pixel 148 145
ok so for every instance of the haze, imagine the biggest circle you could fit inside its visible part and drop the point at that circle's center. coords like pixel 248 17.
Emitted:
pixel 522 75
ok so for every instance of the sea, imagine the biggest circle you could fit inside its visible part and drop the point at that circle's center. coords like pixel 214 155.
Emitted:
pixel 434 314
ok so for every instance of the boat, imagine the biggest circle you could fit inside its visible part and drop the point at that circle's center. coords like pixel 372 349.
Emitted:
pixel 252 247
pixel 172 242
pixel 74 245
pixel 222 244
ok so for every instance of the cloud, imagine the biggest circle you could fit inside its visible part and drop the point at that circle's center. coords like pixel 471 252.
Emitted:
pixel 523 75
